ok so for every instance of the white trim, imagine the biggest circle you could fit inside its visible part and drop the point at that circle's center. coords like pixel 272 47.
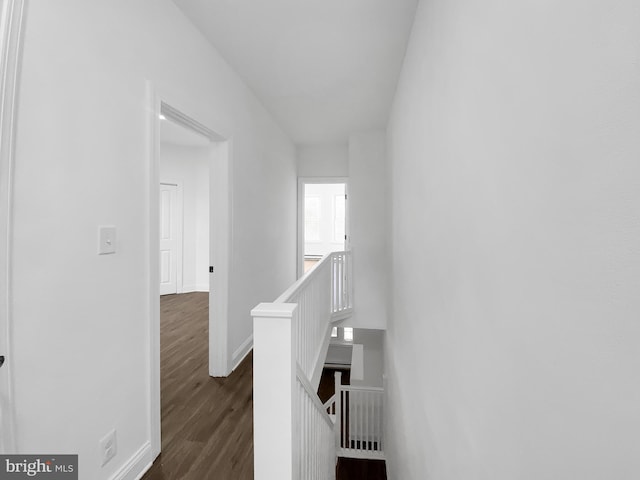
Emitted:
pixel 11 28
pixel 353 388
pixel 220 229
pixel 220 240
pixel 177 116
pixel 195 288
pixel 300 240
pixel 242 351
pixel 180 239
pixel 136 466
pixel 154 270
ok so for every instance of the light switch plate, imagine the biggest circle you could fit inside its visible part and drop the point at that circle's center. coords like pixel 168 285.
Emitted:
pixel 107 239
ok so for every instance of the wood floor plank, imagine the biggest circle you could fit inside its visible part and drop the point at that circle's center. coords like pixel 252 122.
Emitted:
pixel 207 423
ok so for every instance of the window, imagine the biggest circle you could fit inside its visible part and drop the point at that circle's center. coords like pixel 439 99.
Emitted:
pixel 334 332
pixel 348 334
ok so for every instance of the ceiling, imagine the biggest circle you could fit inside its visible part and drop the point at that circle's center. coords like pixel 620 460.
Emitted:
pixel 323 68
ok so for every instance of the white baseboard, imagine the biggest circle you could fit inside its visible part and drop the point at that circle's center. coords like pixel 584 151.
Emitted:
pixel 242 351
pixel 137 465
pixel 195 288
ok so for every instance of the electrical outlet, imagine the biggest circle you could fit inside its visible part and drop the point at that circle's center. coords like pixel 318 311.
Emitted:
pixel 108 447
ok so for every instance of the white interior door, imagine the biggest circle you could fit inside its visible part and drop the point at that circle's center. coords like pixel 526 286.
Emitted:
pixel 168 239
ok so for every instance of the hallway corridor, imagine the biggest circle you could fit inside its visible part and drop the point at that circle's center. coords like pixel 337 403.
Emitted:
pixel 207 423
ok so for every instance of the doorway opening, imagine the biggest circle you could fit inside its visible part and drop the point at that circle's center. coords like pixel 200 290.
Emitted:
pixel 322 219
pixel 185 158
pixel 189 232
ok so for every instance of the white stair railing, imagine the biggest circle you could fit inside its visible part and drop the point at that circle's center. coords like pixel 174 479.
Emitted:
pixel 323 295
pixel 341 304
pixel 293 434
pixel 314 446
pixel 359 414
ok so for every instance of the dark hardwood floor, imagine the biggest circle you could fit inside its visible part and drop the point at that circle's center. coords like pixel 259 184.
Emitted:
pixel 207 423
pixel 327 386
pixel 356 469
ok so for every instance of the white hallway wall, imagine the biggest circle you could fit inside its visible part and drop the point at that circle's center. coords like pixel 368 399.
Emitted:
pixel 373 357
pixel 323 160
pixel 514 149
pixel 363 161
pixel 369 220
pixel 189 166
pixel 81 321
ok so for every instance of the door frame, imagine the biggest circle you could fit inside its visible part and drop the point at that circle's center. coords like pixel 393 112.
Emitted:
pixel 302 181
pixel 220 195
pixel 12 19
pixel 179 232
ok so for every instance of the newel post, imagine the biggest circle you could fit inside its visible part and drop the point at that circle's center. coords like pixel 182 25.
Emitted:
pixel 274 383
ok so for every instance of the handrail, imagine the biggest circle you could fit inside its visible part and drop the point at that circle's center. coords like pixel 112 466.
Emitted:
pixel 323 296
pixel 313 395
pixel 361 389
pixel 329 402
pixel 291 337
pixel 308 277
pixel 303 280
